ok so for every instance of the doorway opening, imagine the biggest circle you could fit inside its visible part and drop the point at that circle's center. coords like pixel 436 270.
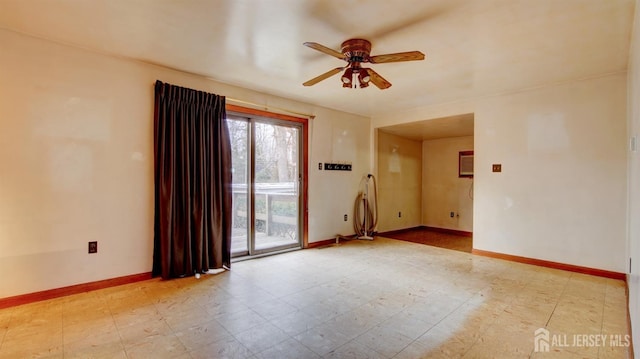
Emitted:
pixel 425 176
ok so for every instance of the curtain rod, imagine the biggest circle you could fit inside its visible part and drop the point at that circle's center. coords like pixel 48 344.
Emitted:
pixel 265 107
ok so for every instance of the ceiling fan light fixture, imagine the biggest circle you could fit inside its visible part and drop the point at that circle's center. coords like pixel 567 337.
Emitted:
pixel 364 77
pixel 347 77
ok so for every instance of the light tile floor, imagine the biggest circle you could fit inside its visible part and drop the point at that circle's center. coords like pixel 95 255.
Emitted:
pixel 380 299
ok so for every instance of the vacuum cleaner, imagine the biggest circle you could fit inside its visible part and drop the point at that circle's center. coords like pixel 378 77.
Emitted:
pixel 365 212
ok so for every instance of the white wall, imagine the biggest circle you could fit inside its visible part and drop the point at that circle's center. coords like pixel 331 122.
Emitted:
pixel 562 193
pixel 442 190
pixel 76 163
pixel 633 116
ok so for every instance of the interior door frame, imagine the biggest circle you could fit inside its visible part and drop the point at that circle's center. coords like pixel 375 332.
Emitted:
pixel 304 159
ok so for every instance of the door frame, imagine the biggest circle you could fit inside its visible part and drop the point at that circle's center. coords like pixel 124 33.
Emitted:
pixel 304 158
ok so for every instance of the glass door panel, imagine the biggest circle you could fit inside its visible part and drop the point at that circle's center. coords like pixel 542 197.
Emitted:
pixel 240 229
pixel 276 186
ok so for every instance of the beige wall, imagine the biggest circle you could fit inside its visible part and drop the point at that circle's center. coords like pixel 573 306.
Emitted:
pixel 336 137
pixel 76 155
pixel 442 190
pixel 562 193
pixel 399 182
pixel 633 125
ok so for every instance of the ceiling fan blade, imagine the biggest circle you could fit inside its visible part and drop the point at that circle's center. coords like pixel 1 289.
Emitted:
pixel 397 57
pixel 324 49
pixel 378 80
pixel 324 76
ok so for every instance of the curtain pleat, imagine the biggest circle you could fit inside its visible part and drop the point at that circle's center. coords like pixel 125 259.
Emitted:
pixel 192 182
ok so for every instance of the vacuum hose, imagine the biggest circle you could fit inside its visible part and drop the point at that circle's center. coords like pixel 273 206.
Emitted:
pixel 370 218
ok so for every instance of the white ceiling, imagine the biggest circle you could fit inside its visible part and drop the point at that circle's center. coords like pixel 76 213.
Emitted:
pixel 474 47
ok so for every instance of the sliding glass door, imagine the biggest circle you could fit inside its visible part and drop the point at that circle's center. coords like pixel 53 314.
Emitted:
pixel 266 158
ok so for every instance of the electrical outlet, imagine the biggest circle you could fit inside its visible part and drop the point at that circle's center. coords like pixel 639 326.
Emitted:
pixel 320 166
pixel 451 214
pixel 345 217
pixel 399 214
pixel 496 168
pixel 93 247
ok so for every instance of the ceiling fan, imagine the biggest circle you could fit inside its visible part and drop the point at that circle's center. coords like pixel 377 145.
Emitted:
pixel 355 52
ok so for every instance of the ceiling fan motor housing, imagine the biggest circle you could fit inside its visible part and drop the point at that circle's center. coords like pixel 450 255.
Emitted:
pixel 356 50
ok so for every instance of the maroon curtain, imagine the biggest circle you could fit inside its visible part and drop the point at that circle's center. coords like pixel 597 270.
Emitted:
pixel 192 182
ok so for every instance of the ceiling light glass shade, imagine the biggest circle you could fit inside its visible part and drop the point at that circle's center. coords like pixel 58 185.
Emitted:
pixel 364 77
pixel 347 77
